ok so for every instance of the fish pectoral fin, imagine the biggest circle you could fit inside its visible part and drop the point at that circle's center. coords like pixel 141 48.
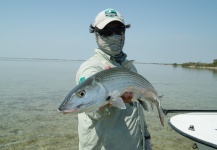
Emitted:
pixel 115 94
pixel 118 102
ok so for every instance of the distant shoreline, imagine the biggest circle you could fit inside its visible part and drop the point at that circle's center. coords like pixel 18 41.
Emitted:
pixel 196 67
pixel 184 65
pixel 181 65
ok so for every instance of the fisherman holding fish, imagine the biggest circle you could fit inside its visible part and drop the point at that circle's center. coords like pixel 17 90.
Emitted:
pixel 110 128
pixel 114 120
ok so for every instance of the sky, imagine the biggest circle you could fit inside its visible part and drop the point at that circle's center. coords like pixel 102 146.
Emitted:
pixel 162 31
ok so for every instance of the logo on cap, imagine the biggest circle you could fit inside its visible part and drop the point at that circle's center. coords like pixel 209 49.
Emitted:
pixel 110 13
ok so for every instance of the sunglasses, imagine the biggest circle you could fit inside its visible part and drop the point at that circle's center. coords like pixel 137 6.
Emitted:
pixel 108 31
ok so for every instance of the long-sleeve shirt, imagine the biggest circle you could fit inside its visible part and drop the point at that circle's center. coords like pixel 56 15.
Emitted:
pixel 110 128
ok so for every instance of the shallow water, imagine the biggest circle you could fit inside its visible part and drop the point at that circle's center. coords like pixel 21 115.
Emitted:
pixel 31 91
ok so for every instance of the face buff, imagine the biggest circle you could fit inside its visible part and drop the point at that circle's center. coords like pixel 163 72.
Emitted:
pixel 112 45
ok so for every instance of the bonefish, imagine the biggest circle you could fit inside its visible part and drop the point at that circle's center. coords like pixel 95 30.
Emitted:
pixel 108 86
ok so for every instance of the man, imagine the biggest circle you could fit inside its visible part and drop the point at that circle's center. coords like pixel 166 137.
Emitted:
pixel 110 128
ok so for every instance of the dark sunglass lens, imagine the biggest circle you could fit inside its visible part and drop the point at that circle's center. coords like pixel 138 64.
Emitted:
pixel 106 32
pixel 120 30
pixel 110 31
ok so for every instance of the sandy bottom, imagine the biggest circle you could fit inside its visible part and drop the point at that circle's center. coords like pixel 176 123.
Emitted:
pixel 40 126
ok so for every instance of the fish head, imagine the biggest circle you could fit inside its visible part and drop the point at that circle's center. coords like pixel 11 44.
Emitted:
pixel 86 96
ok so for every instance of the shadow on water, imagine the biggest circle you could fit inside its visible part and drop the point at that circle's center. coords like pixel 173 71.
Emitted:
pixel 214 72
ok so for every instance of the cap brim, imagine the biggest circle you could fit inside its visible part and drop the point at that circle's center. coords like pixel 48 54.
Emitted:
pixel 103 23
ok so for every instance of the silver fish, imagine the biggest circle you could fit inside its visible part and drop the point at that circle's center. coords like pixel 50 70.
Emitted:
pixel 108 86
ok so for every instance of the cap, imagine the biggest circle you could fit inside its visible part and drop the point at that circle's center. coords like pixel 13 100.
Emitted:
pixel 107 16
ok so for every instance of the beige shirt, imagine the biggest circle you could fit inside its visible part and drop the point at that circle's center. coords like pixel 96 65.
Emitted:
pixel 110 128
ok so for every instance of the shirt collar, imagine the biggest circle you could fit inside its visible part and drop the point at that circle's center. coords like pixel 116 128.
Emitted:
pixel 106 56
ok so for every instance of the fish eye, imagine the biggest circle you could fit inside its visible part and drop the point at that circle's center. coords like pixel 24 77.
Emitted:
pixel 81 93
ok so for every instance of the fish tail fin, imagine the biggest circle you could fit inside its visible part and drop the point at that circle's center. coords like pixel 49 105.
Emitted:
pixel 160 111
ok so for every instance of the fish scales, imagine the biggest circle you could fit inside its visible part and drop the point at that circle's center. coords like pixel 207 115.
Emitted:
pixel 128 78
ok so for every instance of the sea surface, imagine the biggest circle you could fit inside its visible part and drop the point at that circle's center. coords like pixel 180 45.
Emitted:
pixel 31 91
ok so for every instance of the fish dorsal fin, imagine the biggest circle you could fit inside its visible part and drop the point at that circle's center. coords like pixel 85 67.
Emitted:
pixel 128 64
pixel 116 100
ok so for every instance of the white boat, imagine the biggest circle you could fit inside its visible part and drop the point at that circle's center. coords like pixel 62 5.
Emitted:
pixel 199 127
